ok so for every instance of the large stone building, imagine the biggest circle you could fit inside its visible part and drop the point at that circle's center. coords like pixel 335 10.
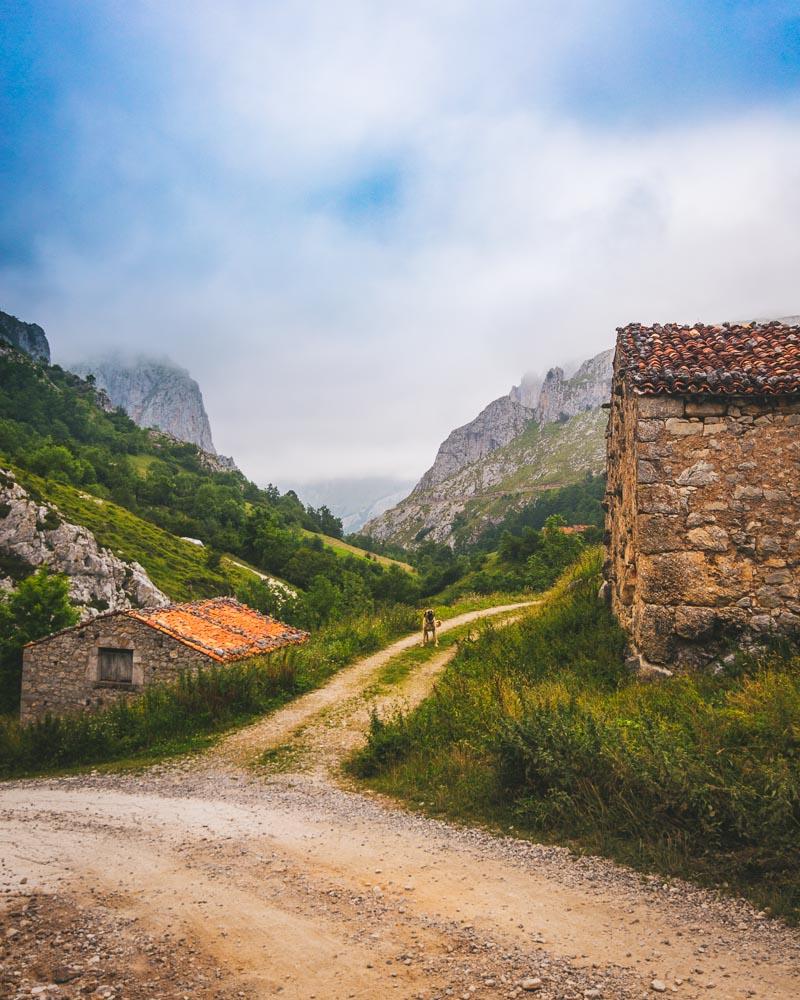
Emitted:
pixel 703 503
pixel 118 654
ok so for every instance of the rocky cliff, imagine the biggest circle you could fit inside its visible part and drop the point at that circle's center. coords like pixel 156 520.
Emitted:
pixel 494 427
pixel 154 393
pixel 34 534
pixel 27 337
pixel 543 434
pixel 588 388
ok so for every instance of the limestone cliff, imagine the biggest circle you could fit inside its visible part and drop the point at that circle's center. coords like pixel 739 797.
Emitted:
pixel 494 427
pixel 34 534
pixel 154 393
pixel 588 388
pixel 28 337
pixel 543 434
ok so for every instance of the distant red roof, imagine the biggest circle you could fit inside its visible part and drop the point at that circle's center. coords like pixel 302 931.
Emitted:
pixel 729 360
pixel 221 627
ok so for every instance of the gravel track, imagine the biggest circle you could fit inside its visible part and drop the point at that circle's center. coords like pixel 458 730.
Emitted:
pixel 201 878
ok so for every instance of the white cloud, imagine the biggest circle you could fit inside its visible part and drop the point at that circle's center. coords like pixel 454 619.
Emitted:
pixel 329 344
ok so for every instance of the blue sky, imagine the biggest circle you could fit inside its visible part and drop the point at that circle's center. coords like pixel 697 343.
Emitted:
pixel 357 223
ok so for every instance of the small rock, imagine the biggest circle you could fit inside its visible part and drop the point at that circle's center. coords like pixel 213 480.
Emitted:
pixel 63 974
pixel 658 986
pixel 531 984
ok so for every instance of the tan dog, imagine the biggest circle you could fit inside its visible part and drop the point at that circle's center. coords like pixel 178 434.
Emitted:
pixel 429 626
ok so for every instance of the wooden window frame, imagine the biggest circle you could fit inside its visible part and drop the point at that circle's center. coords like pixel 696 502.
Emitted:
pixel 125 684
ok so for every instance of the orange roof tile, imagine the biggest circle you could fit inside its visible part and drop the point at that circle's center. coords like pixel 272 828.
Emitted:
pixel 221 627
pixel 746 359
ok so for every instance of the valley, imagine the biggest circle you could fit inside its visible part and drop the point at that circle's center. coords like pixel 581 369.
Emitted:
pixel 310 822
pixel 399 505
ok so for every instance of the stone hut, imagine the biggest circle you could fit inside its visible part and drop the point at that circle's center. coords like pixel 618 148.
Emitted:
pixel 703 502
pixel 118 654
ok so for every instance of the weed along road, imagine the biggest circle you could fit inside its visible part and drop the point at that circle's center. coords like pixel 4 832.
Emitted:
pixel 256 870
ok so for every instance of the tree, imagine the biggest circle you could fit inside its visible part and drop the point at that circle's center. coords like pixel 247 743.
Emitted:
pixel 556 552
pixel 38 607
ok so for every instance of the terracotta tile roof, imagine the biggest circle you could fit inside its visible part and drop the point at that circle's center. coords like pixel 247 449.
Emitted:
pixel 222 628
pixel 729 360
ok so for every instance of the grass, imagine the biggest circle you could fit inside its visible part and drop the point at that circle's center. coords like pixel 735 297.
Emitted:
pixel 163 721
pixel 477 602
pixel 171 719
pixel 176 567
pixel 342 548
pixel 143 463
pixel 538 726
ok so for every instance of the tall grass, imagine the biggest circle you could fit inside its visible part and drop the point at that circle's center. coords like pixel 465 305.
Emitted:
pixel 540 726
pixel 174 717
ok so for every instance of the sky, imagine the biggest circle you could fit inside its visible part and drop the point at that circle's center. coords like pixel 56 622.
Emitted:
pixel 357 223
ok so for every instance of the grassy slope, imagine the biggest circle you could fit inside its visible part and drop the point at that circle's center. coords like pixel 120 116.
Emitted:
pixel 342 548
pixel 176 567
pixel 539 726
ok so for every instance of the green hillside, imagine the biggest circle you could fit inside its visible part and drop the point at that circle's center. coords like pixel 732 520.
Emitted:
pixel 139 491
pixel 178 568
pixel 343 548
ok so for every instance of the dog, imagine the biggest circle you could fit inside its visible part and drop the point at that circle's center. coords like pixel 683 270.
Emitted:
pixel 430 624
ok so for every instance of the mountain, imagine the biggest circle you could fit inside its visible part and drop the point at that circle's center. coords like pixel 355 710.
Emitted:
pixel 497 425
pixel 587 389
pixel 154 393
pixel 543 434
pixel 355 500
pixel 27 337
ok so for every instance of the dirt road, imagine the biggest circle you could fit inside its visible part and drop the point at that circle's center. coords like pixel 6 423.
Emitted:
pixel 212 880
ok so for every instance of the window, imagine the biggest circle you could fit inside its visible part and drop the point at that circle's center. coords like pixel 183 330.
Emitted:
pixel 116 665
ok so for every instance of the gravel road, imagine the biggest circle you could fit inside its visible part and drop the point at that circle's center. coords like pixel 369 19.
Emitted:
pixel 204 878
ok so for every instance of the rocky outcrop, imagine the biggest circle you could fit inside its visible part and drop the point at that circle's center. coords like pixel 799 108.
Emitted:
pixel 27 337
pixel 527 392
pixel 543 434
pixel 588 388
pixel 34 534
pixel 501 422
pixel 154 393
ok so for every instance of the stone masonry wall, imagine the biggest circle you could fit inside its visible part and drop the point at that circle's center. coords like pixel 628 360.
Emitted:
pixel 621 508
pixel 61 674
pixel 713 540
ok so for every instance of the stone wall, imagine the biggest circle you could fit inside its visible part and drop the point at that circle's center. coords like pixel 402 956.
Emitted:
pixel 704 521
pixel 61 674
pixel 621 507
